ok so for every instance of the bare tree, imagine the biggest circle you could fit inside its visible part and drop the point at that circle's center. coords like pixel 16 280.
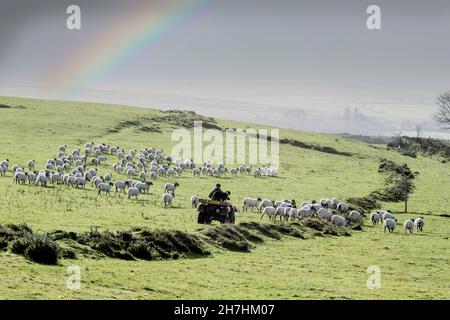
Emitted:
pixel 443 115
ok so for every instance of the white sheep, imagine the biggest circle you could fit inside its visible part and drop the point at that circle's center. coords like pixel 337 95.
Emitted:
pixel 279 212
pixel 81 182
pixel 95 181
pixel 419 222
pixel 387 215
pixel 42 178
pixel 31 178
pixel 167 199
pixel 130 172
pixel 324 214
pixel 334 202
pixel 292 213
pixel 3 170
pixel 195 200
pixel 145 187
pixel 305 212
pixel 143 176
pixel 133 192
pixel 170 187
pixel 355 216
pixel 375 218
pixel 120 185
pixel 342 207
pixel 104 187
pixel 315 206
pixel 409 226
pixel 389 224
pixel 20 177
pixel 270 212
pixel 102 159
pixel 107 177
pixel 31 164
pixel 338 220
pixel 196 172
pixel 5 163
pixel 55 178
pixel 250 203
pixel 265 203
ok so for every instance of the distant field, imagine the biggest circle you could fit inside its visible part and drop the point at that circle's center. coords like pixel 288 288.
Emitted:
pixel 414 266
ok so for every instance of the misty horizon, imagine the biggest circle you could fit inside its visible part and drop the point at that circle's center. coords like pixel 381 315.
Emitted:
pixel 307 65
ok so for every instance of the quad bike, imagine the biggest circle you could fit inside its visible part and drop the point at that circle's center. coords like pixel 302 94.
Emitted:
pixel 209 210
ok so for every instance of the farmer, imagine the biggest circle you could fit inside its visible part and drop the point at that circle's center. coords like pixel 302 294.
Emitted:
pixel 213 191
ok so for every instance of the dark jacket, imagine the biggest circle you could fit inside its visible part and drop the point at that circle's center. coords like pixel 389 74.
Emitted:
pixel 216 189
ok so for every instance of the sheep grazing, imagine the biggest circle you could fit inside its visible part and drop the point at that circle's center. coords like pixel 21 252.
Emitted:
pixel 419 222
pixel 3 170
pixel 55 178
pixel 324 214
pixel 104 187
pixel 31 164
pixel 167 199
pixel 250 203
pixel 145 187
pixel 270 212
pixel 315 206
pixel 389 224
pixel 305 212
pixel 133 192
pixel 284 212
pixel 81 182
pixel 130 172
pixel 5 163
pixel 375 218
pixel 195 200
pixel 196 172
pixel 338 220
pixel 292 213
pixel 107 177
pixel 342 207
pixel 355 216
pixel 20 177
pixel 170 187
pixel 120 185
pixel 265 203
pixel 42 178
pixel 326 203
pixel 95 181
pixel 409 226
pixel 280 211
pixel 387 215
pixel 334 202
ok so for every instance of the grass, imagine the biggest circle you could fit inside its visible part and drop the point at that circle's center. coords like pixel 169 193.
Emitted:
pixel 415 266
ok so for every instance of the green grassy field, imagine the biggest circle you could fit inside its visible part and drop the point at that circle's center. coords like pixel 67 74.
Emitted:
pixel 416 266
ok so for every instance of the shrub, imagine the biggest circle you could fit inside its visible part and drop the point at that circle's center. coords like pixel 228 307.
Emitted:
pixel 38 248
pixel 42 249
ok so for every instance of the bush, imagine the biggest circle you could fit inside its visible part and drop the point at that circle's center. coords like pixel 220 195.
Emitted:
pixel 141 250
pixel 19 245
pixel 42 250
pixel 3 243
pixel 38 248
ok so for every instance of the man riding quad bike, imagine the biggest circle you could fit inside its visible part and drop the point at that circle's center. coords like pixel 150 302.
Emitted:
pixel 217 208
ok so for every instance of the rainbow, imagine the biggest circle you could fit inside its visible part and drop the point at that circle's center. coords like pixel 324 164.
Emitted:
pixel 107 51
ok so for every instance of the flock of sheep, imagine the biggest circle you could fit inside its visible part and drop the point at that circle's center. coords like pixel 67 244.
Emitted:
pixel 77 169
pixel 71 169
pixel 332 210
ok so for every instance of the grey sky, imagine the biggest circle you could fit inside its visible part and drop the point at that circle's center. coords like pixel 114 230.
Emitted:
pixel 257 55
